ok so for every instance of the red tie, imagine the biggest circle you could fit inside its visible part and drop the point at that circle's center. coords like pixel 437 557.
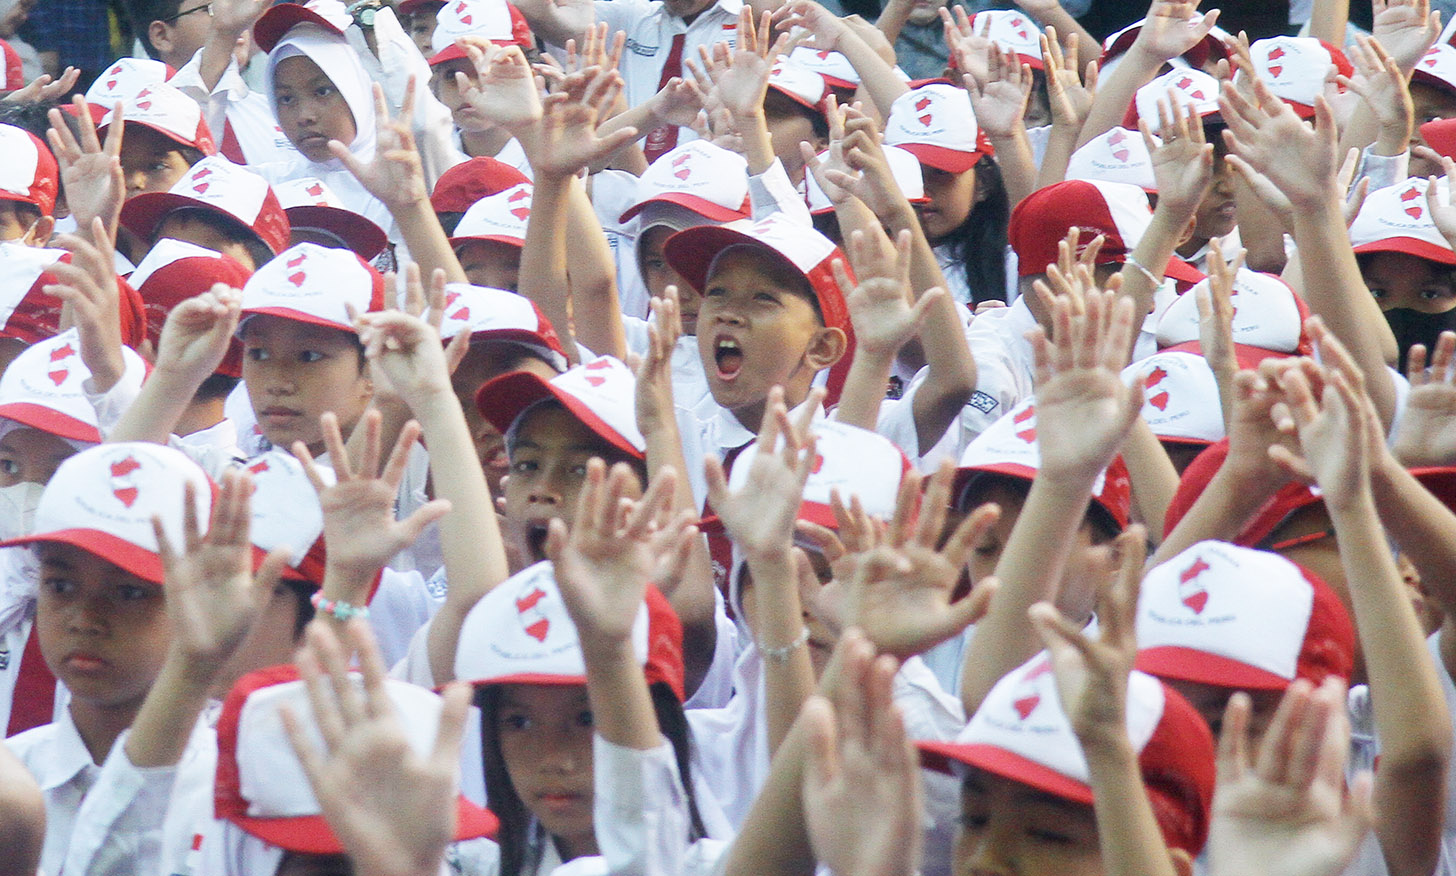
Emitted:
pixel 34 700
pixel 230 148
pixel 664 139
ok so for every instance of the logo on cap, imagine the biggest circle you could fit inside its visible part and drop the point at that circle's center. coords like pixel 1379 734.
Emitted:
pixel 921 106
pixel 522 211
pixel 1115 140
pixel 122 486
pixel 298 276
pixel 1025 705
pixel 1160 400
pixel 59 373
pixel 1029 433
pixel 144 104
pixel 1275 54
pixel 533 620
pixel 1187 82
pixel 259 467
pixel 682 165
pixel 1020 25
pixel 1408 197
pixel 460 10
pixel 597 379
pixel 1192 593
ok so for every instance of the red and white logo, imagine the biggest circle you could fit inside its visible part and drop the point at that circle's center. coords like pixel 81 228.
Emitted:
pixel 533 620
pixel 921 106
pixel 1192 593
pixel 598 365
pixel 1409 197
pixel 1274 55
pixel 461 11
pixel 59 370
pixel 1027 702
pixel 1025 426
pixel 298 274
pixel 141 101
pixel 522 211
pixel 123 484
pixel 1158 400
pixel 1115 140
pixel 682 166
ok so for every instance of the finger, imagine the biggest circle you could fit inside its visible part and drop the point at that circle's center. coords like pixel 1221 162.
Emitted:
pixel 935 505
pixel 1233 742
pixel 455 708
pixel 399 459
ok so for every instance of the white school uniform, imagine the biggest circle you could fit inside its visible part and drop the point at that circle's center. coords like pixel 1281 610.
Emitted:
pixel 650 30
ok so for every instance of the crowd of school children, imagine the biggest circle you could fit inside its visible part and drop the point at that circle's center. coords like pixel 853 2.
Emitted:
pixel 661 437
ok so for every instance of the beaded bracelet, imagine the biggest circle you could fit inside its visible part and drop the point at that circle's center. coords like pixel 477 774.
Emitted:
pixel 339 609
pixel 781 655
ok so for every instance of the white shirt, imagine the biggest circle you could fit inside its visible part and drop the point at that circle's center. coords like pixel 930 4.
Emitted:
pixel 231 102
pixel 650 30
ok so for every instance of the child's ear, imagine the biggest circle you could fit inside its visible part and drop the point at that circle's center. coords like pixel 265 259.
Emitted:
pixel 160 36
pixel 1182 862
pixel 827 348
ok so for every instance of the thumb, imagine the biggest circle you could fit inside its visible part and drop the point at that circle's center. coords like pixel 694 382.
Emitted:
pixel 824 765
pixel 426 514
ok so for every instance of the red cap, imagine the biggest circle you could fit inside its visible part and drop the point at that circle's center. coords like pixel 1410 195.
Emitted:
pixel 600 393
pixel 174 271
pixel 330 15
pixel 29 173
pixel 1290 497
pixel 1440 135
pixel 310 203
pixel 1117 211
pixel 261 786
pixel 14 74
pixel 461 186
pixel 28 313
pixel 1211 46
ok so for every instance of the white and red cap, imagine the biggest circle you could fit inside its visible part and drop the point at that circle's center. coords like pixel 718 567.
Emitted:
pixel 1021 733
pixel 1295 68
pixel 692 253
pixel 1395 219
pixel 1011 30
pixel 27 312
pixel 1210 46
pixel 1437 67
pixel 1268 314
pixel 1240 618
pixel 316 285
pixel 936 123
pixel 601 394
pixel 310 203
pixel 699 176
pixel 1117 211
pixel 494 20
pixel 14 67
pixel 521 633
pixel 103 499
pixel 222 188
pixel 29 173
pixel 1180 397
pixel 497 315
pixel 174 271
pixel 125 78
pixel 44 388
pixel 1440 135
pixel 169 112
pixel 1008 447
pixel 1190 88
pixel 799 84
pixel 331 16
pixel 836 69
pixel 286 512
pixel 502 217
pixel 1118 155
pixel 262 788
pixel 904 167
pixel 467 182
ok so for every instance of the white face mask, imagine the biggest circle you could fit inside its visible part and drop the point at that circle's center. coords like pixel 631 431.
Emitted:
pixel 17 508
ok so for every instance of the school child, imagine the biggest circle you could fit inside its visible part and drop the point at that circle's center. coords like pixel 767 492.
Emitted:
pixel 316 215
pixel 499 23
pixel 28 193
pixel 490 236
pixel 165 134
pixel 461 186
pixel 420 19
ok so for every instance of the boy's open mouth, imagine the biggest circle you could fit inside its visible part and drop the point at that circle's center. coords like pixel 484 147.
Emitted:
pixel 536 540
pixel 728 356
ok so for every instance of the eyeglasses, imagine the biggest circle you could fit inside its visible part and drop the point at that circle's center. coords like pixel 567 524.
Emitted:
pixel 206 7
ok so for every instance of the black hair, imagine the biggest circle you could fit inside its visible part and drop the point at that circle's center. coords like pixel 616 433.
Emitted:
pixel 303 592
pixel 216 386
pixel 234 230
pixel 515 837
pixel 143 13
pixel 979 243
pixel 776 103
pixel 31 115
pixel 448 221
pixel 1099 521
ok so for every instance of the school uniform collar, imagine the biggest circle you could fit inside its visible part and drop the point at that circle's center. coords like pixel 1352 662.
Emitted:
pixel 67 757
pixel 732 435
pixel 726 8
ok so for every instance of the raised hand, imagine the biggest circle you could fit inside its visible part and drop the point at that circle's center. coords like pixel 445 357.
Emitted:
pixel 565 140
pixel 760 515
pixel 1381 83
pixel 654 398
pixel 1069 90
pixel 45 88
pixel 740 75
pixel 1284 808
pixel 392 809
pixel 1171 28
pixel 1092 674
pixel 1182 160
pixel 394 174
pixel 90 171
pixel 880 306
pixel 1405 28
pixel 826 27
pixel 999 100
pixel 1426 434
pixel 87 284
pixel 970 49
pixel 678 102
pixel 603 563
pixel 197 333
pixel 504 90
pixel 360 529
pixel 232 17
pixel 1083 407
pixel 1216 321
pixel 833 160
pixel 408 351
pixel 1267 138
pixel 1333 434
pixel 861 787
pixel 213 597
pixel 899 592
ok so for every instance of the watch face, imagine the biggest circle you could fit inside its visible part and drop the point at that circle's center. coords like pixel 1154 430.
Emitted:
pixel 365 16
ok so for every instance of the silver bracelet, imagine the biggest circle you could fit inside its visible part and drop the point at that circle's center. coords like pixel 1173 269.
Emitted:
pixel 781 655
pixel 1152 278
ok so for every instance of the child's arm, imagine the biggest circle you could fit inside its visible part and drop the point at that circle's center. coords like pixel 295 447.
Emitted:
pixel 739 78
pixel 22 816
pixel 1092 680
pixel 1083 412
pixel 1153 478
pixel 760 520
pixel 877 77
pixel 561 144
pixel 395 176
pixel 1302 162
pixel 90 170
pixel 1070 92
pixel 1284 810
pixel 194 341
pixel 361 533
pixel 1405 29
pixel 1170 28
pixel 883 317
pixel 1216 323
pixel 999 103
pixel 557 21
pixel 1338 434
pixel 212 599
pixel 92 300
pixel 692 596
pixel 409 353
pixel 1050 14
pixel 392 810
pixel 231 19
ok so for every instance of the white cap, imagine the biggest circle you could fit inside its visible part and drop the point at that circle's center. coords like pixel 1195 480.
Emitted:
pixel 501 217
pixel 44 388
pixel 706 179
pixel 1013 30
pixel 799 84
pixel 936 123
pixel 494 20
pixel 1118 155
pixel 601 394
pixel 219 186
pixel 836 69
pixel 167 110
pixel 498 315
pixel 124 79
pixel 1267 314
pixel 1180 397
pixel 904 167
pixel 1295 68
pixel 285 509
pixel 1190 88
pixel 314 284
pixel 1437 67
pixel 1395 219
